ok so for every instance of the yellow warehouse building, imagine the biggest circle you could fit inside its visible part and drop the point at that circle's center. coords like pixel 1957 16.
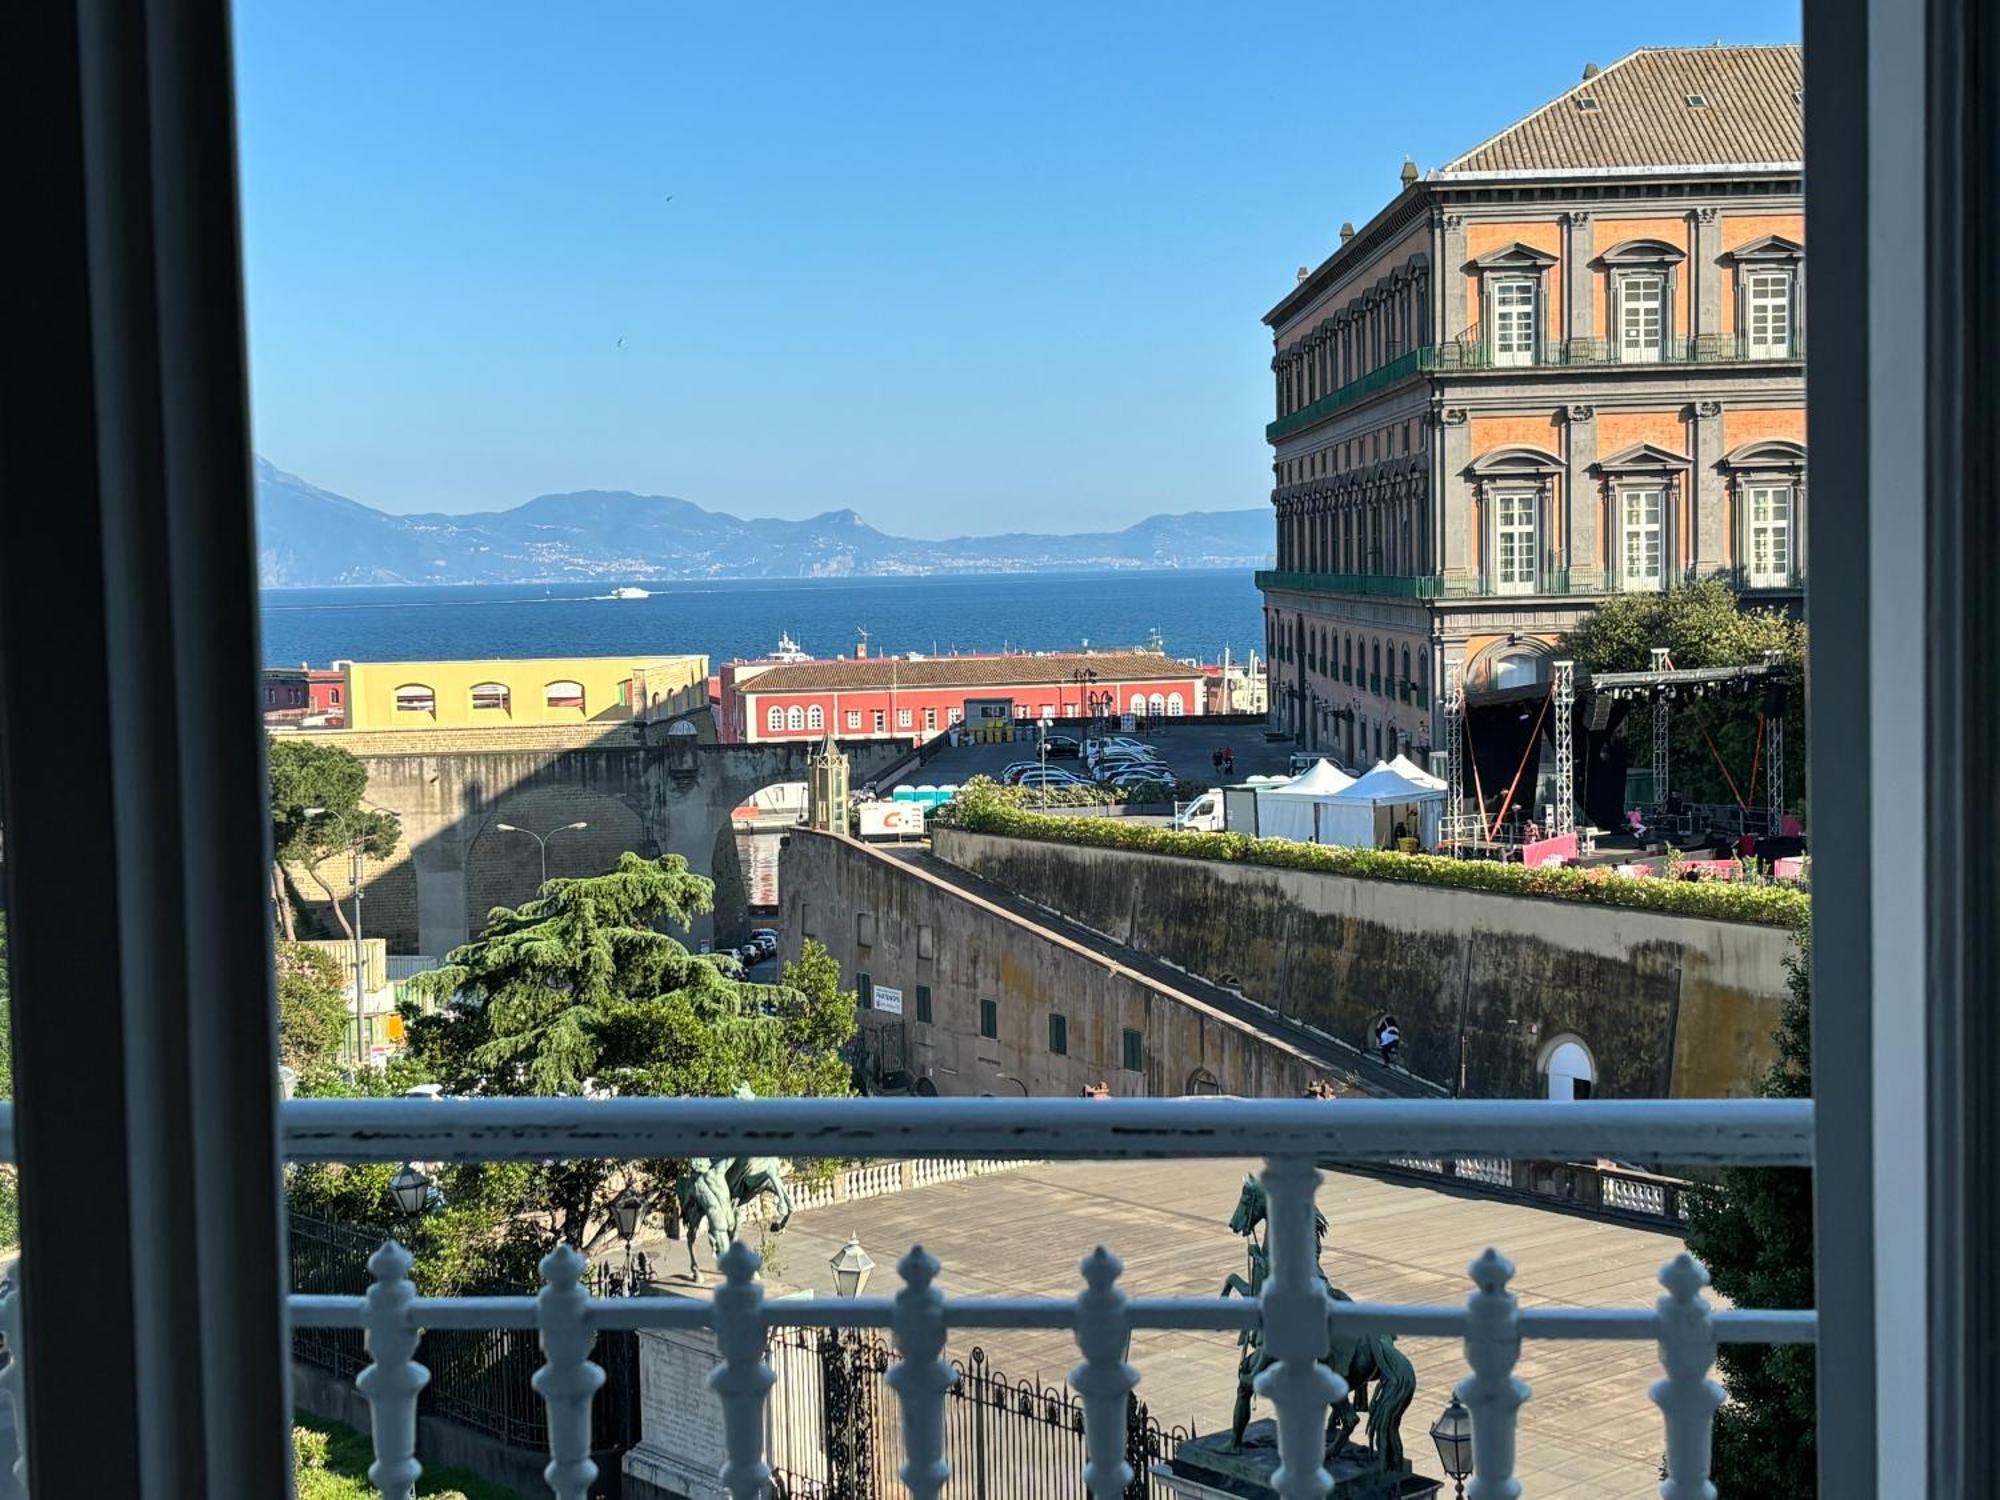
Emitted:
pixel 541 690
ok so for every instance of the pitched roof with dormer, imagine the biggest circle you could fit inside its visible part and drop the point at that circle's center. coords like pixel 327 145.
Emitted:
pixel 1660 108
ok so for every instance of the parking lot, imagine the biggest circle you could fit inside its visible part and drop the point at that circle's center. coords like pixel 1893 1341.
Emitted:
pixel 1184 744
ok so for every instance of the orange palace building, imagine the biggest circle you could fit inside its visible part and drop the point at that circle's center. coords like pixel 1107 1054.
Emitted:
pixel 1567 364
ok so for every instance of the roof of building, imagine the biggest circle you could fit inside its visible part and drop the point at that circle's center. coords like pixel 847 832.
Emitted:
pixel 1660 107
pixel 967 671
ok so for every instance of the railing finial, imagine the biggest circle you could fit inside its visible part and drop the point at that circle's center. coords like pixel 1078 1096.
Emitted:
pixel 743 1380
pixel 921 1377
pixel 1492 1346
pixel 1687 1397
pixel 393 1378
pixel 567 1380
pixel 1104 1380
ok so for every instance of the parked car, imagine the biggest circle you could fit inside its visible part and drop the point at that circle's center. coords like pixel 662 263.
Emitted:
pixel 1053 776
pixel 1012 775
pixel 765 938
pixel 1060 745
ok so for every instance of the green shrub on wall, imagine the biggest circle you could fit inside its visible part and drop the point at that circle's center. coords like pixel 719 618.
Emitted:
pixel 986 809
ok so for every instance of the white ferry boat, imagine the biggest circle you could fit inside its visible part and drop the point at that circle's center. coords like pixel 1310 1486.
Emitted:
pixel 631 593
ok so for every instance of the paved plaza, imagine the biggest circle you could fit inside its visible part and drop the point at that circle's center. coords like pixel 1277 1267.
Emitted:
pixel 1589 1430
pixel 1185 745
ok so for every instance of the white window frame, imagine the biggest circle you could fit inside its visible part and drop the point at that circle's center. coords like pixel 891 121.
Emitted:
pixel 815 717
pixel 1629 579
pixel 903 719
pixel 1505 338
pixel 854 719
pixel 1640 350
pixel 795 719
pixel 1783 525
pixel 1505 501
pixel 774 720
pixel 1778 346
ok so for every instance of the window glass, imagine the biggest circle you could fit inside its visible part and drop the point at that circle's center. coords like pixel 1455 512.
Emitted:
pixel 930 718
pixel 881 720
pixel 490 695
pixel 1767 297
pixel 1514 543
pixel 864 991
pixel 989 1019
pixel 1640 512
pixel 1770 525
pixel 795 717
pixel 1135 1051
pixel 924 1003
pixel 815 717
pixel 415 698
pixel 1642 303
pixel 902 718
pixel 565 695
pixel 854 718
pixel 1058 1034
pixel 775 719
pixel 1514 321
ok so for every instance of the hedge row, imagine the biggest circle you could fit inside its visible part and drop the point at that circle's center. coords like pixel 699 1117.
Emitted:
pixel 978 810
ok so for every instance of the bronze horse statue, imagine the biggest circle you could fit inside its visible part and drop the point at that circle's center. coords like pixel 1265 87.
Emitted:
pixel 714 1192
pixel 1359 1361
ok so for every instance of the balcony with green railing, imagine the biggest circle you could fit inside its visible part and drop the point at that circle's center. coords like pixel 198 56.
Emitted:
pixel 1550 581
pixel 1474 352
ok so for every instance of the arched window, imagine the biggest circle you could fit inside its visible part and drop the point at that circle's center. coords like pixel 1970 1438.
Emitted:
pixel 1201 1081
pixel 1156 704
pixel 415 698
pixel 1403 686
pixel 1174 706
pixel 333 696
pixel 775 719
pixel 493 695
pixel 1347 666
pixel 815 717
pixel 1572 1073
pixel 564 694
pixel 795 717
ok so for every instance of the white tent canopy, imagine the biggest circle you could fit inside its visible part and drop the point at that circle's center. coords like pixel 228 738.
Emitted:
pixel 1409 770
pixel 1367 814
pixel 1292 809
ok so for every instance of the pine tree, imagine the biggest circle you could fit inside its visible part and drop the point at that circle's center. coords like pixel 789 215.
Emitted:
pixel 1753 1228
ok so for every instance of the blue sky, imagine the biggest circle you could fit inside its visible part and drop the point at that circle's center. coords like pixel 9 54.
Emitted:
pixel 961 267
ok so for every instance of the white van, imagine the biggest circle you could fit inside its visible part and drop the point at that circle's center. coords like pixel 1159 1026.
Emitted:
pixel 1203 815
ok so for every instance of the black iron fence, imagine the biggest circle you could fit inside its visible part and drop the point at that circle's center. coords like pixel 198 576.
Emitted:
pixel 1005 1439
pixel 482 1378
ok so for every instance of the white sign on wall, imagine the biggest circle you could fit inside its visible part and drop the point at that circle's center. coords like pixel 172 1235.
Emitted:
pixel 892 820
pixel 888 1001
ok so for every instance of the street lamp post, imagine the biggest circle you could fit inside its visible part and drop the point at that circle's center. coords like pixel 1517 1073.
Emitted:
pixel 851 1266
pixel 1452 1432
pixel 625 1213
pixel 410 1190
pixel 1043 725
pixel 541 841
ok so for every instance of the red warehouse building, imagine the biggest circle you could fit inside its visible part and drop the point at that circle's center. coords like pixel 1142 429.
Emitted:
pixel 896 698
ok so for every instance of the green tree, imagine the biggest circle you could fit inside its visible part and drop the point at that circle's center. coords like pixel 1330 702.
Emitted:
pixel 1752 1228
pixel 1703 625
pixel 316 813
pixel 312 1011
pixel 578 991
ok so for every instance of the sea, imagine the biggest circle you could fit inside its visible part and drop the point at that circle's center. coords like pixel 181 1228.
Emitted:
pixel 1191 613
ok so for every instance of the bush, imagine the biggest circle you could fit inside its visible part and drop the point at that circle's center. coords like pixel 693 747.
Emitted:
pixel 330 1462
pixel 986 809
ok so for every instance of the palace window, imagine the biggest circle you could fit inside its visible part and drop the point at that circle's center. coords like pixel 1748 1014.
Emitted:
pixel 1767 314
pixel 815 717
pixel 415 698
pixel 1641 514
pixel 1642 307
pixel 1768 517
pixel 1514 542
pixel 491 695
pixel 1514 321
pixel 795 717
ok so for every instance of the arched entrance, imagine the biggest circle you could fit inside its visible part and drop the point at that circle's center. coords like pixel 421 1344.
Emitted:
pixel 1201 1081
pixel 1572 1074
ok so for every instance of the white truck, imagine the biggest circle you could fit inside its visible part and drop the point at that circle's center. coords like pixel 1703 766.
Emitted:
pixel 1231 808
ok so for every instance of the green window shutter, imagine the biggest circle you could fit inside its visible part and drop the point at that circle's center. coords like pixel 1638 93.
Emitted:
pixel 989 1019
pixel 924 1003
pixel 1058 1034
pixel 864 991
pixel 1135 1051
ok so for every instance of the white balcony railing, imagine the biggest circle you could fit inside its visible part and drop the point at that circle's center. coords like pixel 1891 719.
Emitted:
pixel 1293 1137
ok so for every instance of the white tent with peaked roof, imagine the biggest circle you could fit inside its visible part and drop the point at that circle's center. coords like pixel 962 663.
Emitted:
pixel 1292 809
pixel 1367 814
pixel 1409 770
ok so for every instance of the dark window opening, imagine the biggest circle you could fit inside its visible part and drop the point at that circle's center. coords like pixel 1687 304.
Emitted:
pixel 989 1019
pixel 1058 1034
pixel 924 1004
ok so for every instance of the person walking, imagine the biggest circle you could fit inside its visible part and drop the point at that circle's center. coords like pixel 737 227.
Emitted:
pixel 1388 1038
pixel 1228 761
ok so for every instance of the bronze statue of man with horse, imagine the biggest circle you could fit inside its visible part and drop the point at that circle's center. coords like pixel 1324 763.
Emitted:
pixel 1362 1362
pixel 713 1192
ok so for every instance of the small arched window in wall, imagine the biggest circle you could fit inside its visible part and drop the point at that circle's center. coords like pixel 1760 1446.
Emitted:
pixel 416 698
pixel 1157 703
pixel 1404 684
pixel 774 720
pixel 795 717
pixel 1175 708
pixel 491 695
pixel 564 695
pixel 1201 1081
pixel 815 717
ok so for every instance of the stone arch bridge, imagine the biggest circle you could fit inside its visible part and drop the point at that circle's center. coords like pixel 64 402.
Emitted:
pixel 637 787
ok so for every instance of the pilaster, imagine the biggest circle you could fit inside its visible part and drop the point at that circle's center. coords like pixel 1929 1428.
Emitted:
pixel 1455 444
pixel 1706 275
pixel 1579 318
pixel 1451 275
pixel 1586 545
pixel 1709 490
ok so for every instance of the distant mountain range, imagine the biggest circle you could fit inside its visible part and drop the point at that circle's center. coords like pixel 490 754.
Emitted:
pixel 310 537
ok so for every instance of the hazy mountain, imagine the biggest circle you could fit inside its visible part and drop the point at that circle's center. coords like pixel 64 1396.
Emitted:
pixel 309 536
